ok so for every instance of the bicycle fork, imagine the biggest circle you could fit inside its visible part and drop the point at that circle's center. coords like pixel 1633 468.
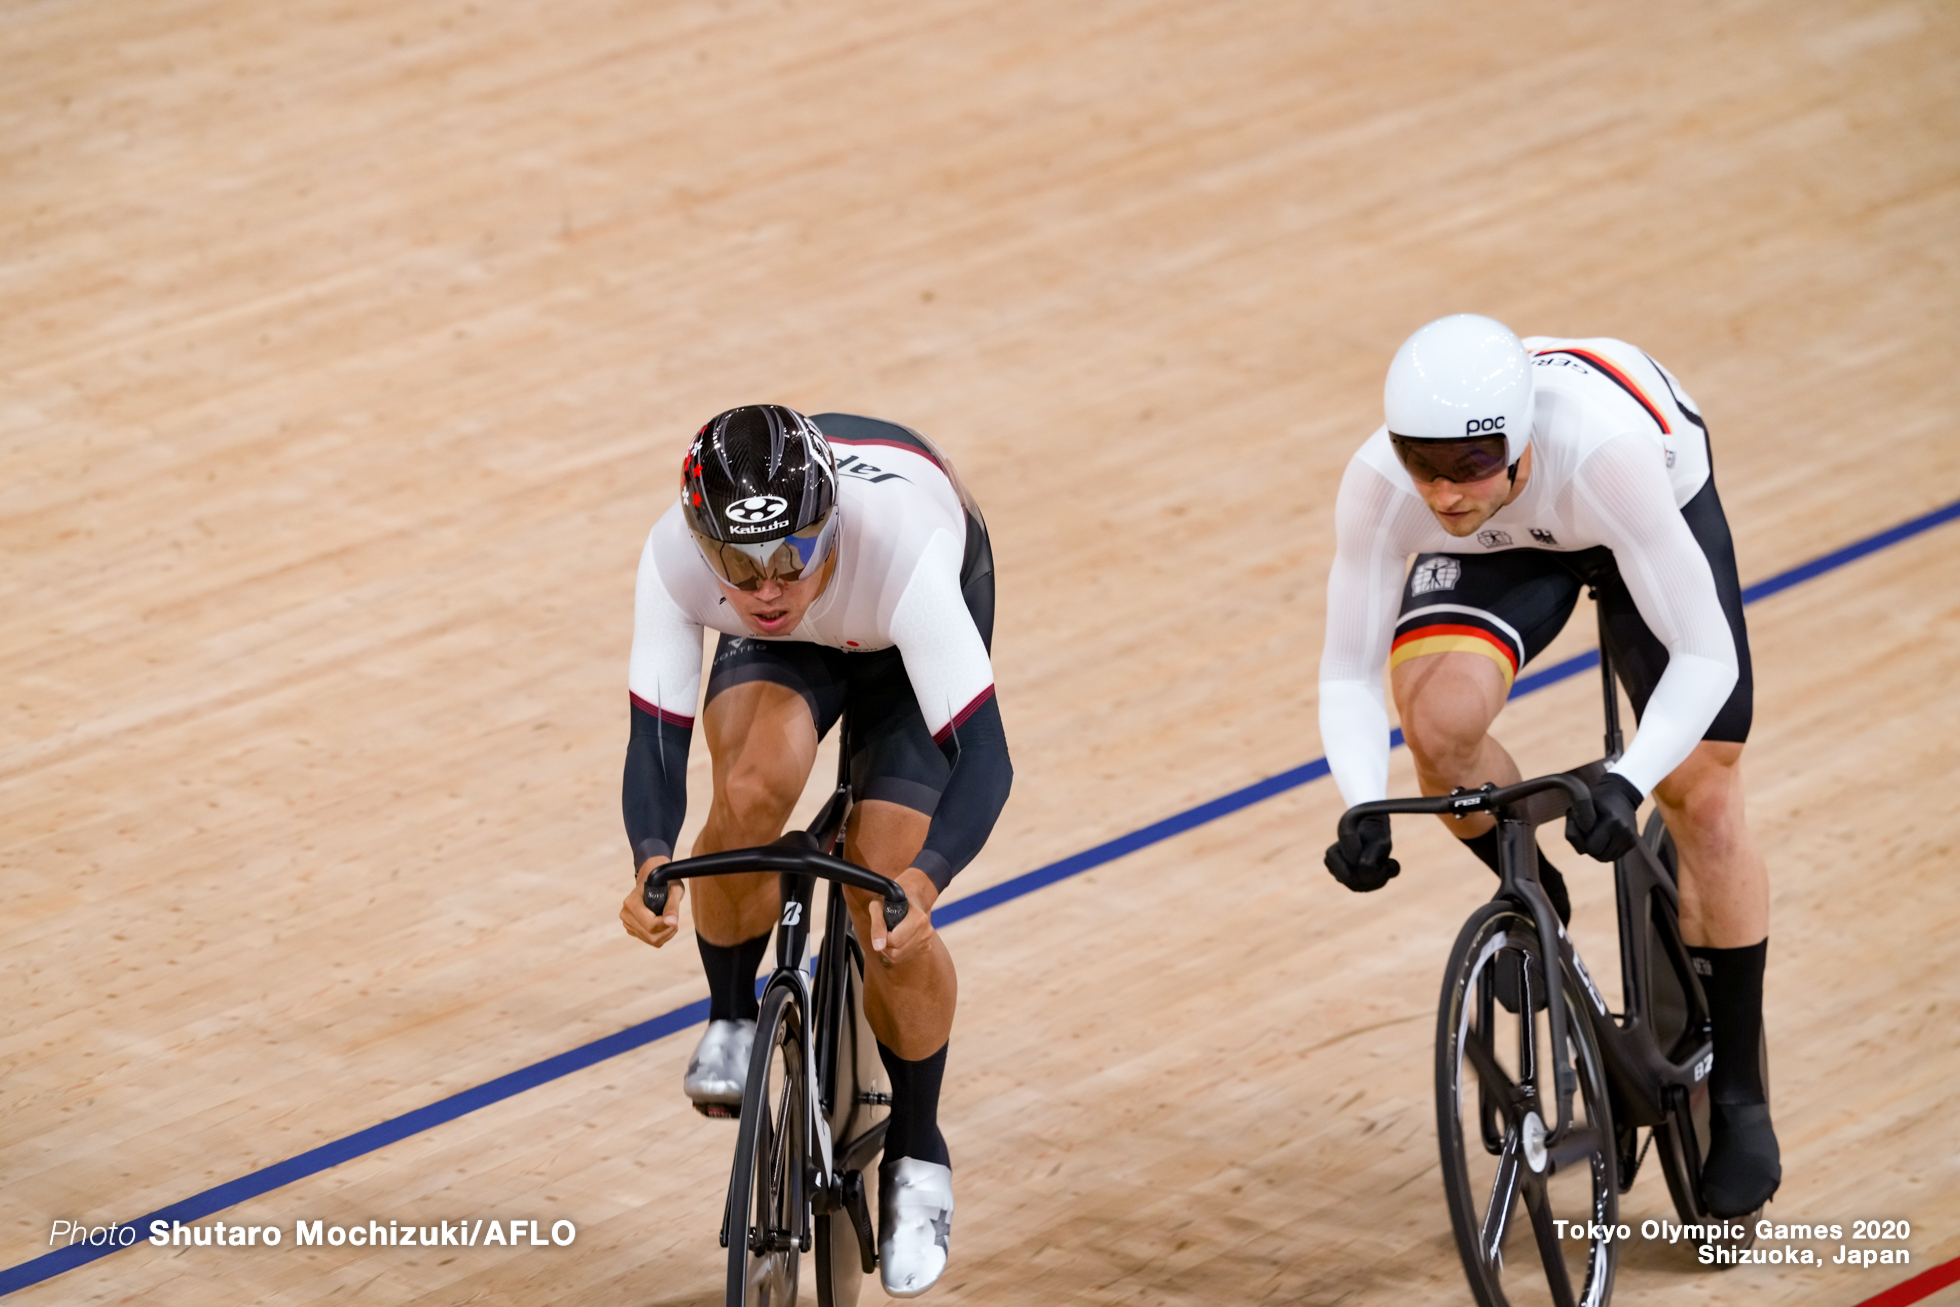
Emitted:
pixel 805 1189
pixel 1517 843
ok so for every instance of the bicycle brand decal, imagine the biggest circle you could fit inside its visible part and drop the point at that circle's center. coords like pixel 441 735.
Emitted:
pixel 1592 990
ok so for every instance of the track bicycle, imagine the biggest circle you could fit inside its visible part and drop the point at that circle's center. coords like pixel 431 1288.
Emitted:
pixel 1543 1092
pixel 814 1110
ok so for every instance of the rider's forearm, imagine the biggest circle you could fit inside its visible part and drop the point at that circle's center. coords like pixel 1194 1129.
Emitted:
pixel 1624 496
pixel 1354 732
pixel 653 794
pixel 1373 532
pixel 977 790
pixel 1691 692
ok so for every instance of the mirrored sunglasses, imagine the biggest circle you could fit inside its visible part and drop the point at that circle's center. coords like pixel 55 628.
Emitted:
pixel 1470 458
pixel 746 567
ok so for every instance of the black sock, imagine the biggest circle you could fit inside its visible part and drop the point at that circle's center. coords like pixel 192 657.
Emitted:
pixel 914 1128
pixel 1732 978
pixel 1485 847
pixel 731 977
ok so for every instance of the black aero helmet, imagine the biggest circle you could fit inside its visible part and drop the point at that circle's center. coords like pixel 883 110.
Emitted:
pixel 759 491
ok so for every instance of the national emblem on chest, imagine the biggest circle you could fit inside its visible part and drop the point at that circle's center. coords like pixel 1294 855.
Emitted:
pixel 1498 538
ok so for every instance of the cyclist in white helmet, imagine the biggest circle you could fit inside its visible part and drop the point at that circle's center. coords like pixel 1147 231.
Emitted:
pixel 1517 473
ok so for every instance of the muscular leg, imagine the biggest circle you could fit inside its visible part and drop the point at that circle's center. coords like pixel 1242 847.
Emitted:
pixel 910 1005
pixel 763 743
pixel 1724 885
pixel 1448 702
pixel 1725 920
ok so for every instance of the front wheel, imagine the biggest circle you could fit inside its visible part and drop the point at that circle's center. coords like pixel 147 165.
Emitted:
pixel 1533 1211
pixel 768 1211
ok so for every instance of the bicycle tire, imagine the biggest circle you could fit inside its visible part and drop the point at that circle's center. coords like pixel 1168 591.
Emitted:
pixel 846 1253
pixel 1485 1131
pixel 768 1211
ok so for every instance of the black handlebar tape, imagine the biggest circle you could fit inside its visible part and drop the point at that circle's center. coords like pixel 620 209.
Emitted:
pixel 655 896
pixel 895 910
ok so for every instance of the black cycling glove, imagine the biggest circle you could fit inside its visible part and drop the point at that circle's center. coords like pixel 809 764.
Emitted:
pixel 1361 861
pixel 1616 825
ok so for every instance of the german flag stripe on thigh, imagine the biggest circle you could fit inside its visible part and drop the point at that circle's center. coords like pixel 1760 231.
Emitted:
pixel 1450 628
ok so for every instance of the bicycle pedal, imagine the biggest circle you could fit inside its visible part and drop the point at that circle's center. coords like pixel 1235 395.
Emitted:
pixel 720 1111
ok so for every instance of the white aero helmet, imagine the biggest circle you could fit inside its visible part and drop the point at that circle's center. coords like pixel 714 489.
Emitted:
pixel 1465 379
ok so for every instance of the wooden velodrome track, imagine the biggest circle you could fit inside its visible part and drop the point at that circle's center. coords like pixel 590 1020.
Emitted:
pixel 349 349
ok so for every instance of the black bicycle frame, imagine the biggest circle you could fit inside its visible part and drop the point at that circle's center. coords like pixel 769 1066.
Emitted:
pixel 1648 1080
pixel 1646 1073
pixel 801 858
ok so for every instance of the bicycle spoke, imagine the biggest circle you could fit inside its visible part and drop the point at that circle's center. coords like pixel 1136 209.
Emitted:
pixel 1491 1077
pixel 1549 1250
pixel 1503 1194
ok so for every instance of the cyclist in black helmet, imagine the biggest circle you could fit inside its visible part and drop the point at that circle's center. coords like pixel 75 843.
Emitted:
pixel 841 561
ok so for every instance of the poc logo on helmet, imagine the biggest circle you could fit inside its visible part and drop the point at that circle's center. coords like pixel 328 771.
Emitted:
pixel 1478 426
pixel 756 508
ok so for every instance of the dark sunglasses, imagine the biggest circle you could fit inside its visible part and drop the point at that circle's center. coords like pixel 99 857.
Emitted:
pixel 1469 458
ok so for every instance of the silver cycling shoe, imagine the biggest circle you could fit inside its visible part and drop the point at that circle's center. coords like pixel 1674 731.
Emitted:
pixel 915 1224
pixel 719 1068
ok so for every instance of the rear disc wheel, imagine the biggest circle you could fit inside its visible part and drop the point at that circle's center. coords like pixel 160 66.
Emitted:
pixel 1682 1140
pixel 846 1251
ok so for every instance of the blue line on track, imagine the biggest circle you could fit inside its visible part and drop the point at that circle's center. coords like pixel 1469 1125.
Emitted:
pixel 315 1160
pixel 319 1159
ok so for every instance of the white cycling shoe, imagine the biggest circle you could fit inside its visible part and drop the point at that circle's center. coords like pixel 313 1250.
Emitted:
pixel 915 1224
pixel 720 1067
